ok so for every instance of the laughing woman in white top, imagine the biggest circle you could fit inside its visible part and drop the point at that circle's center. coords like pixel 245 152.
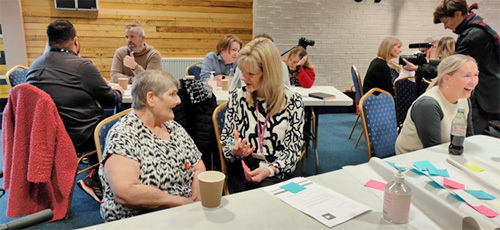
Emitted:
pixel 428 122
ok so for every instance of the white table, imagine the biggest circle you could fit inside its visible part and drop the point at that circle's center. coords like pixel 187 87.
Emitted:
pixel 256 209
pixel 127 96
pixel 340 100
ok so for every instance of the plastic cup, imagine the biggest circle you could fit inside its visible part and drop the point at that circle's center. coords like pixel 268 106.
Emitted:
pixel 224 84
pixel 123 82
pixel 211 184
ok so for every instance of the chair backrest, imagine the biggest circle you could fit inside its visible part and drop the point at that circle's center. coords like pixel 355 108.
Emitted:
pixel 218 119
pixel 16 75
pixel 421 87
pixel 194 69
pixel 379 123
pixel 404 95
pixel 101 130
pixel 357 83
pixel 394 75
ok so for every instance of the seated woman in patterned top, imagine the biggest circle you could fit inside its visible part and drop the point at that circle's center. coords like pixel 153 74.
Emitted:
pixel 149 160
pixel 300 69
pixel 264 121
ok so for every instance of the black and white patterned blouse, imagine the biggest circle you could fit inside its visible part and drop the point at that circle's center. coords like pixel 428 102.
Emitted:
pixel 283 135
pixel 167 165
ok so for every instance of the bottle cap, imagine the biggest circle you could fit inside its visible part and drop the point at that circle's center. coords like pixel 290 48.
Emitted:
pixel 399 176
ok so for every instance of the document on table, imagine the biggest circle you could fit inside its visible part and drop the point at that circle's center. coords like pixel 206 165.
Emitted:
pixel 321 203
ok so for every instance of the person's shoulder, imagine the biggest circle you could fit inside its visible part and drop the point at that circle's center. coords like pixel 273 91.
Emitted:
pixel 128 123
pixel 123 50
pixel 211 54
pixel 152 50
pixel 292 95
pixel 426 102
pixel 238 92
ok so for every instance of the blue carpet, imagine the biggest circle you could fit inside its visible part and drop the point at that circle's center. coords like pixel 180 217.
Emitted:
pixel 334 147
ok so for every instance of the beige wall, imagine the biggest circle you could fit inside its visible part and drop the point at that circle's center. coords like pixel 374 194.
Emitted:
pixel 347 32
pixel 13 33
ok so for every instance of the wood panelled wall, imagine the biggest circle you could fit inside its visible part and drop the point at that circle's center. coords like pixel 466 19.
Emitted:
pixel 176 28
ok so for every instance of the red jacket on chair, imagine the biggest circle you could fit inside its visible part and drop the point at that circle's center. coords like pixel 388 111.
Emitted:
pixel 39 157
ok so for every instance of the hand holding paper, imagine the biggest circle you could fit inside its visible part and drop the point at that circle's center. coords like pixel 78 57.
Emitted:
pixel 247 171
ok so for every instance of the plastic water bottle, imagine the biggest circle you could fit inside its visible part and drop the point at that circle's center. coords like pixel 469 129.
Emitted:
pixel 457 134
pixel 212 82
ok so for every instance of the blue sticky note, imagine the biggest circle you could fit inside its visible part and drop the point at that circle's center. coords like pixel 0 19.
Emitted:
pixel 480 194
pixel 435 184
pixel 417 171
pixel 438 172
pixel 293 187
pixel 394 165
pixel 423 165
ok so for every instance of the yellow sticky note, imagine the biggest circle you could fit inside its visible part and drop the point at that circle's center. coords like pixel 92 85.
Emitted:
pixel 474 167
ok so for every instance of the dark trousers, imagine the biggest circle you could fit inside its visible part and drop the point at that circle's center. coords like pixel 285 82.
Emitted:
pixel 86 147
pixel 480 117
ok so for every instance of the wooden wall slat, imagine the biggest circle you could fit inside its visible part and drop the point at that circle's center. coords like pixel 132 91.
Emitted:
pixel 176 28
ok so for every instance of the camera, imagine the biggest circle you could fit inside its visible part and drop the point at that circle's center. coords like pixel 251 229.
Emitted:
pixel 416 59
pixel 304 42
pixel 419 57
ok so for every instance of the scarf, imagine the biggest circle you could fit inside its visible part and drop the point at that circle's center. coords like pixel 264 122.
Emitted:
pixel 476 21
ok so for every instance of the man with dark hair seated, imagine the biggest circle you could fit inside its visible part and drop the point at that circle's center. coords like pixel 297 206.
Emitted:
pixel 78 90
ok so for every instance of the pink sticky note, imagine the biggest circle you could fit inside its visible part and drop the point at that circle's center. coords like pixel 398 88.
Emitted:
pixel 485 211
pixel 375 184
pixel 452 184
pixel 246 169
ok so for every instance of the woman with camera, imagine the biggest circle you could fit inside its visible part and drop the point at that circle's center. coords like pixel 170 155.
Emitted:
pixel 429 119
pixel 378 74
pixel 300 69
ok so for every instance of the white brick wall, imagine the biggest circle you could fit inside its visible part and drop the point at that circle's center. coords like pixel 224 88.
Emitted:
pixel 347 32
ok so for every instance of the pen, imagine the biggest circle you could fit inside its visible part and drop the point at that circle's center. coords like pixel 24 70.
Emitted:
pixel 232 143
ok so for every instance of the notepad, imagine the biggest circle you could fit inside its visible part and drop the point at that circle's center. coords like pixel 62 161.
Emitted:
pixel 322 95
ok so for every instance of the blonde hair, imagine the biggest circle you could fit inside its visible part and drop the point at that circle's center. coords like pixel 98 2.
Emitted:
pixel 449 66
pixel 263 54
pixel 385 48
pixel 300 52
pixel 445 48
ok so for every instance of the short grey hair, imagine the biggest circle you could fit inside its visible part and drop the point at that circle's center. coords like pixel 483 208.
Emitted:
pixel 140 30
pixel 155 81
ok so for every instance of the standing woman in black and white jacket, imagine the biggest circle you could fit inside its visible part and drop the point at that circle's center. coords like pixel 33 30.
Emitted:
pixel 264 121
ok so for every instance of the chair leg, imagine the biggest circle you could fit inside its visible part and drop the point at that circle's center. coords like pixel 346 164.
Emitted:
pixel 359 138
pixel 354 126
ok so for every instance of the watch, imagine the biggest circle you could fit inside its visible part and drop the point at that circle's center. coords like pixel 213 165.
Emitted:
pixel 271 171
